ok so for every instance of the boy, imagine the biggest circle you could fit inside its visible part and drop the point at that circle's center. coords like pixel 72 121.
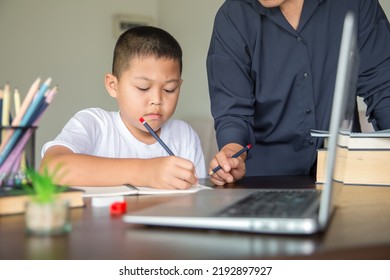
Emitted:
pixel 100 148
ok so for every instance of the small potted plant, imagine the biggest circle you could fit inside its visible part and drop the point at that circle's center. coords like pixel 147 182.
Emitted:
pixel 46 213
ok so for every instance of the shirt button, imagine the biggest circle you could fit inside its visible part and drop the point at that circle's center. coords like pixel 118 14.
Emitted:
pixel 306 76
pixel 299 39
pixel 311 142
pixel 308 111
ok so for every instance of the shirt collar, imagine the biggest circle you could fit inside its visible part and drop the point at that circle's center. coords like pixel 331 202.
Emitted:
pixel 264 10
pixel 276 16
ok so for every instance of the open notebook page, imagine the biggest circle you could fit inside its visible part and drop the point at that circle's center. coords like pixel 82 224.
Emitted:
pixel 131 190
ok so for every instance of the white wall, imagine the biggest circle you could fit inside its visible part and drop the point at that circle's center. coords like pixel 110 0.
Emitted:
pixel 72 41
pixel 386 6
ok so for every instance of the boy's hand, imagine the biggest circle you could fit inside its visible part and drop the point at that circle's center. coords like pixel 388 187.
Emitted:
pixel 232 169
pixel 171 173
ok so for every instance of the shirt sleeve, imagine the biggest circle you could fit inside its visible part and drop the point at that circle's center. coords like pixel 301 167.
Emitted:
pixel 374 77
pixel 229 76
pixel 76 135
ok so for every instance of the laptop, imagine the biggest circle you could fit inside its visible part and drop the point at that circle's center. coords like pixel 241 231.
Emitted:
pixel 264 210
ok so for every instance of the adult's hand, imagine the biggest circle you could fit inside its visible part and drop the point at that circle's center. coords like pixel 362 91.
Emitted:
pixel 232 169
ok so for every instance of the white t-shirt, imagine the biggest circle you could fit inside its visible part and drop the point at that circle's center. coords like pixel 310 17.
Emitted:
pixel 97 132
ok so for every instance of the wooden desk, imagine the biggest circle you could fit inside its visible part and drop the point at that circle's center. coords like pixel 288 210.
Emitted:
pixel 360 229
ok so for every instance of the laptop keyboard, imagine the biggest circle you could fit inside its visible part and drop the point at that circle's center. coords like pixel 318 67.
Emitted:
pixel 284 204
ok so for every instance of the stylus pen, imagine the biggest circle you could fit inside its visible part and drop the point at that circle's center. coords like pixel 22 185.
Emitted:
pixel 243 150
pixel 156 136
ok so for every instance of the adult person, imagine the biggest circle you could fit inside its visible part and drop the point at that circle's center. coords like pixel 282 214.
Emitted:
pixel 271 70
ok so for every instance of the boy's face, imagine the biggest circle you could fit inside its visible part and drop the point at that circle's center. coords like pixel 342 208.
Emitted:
pixel 149 89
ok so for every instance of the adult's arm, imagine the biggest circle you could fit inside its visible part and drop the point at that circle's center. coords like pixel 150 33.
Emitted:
pixel 374 76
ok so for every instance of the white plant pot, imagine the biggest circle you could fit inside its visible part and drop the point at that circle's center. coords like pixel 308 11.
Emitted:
pixel 47 218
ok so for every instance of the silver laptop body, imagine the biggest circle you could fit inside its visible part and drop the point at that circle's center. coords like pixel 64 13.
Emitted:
pixel 202 209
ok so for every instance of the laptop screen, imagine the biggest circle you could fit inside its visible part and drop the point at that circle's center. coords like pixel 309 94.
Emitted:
pixel 341 122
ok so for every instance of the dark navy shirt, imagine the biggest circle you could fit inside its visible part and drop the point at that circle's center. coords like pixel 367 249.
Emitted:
pixel 271 84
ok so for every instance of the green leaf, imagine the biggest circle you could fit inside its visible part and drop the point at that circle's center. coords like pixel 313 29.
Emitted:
pixel 43 189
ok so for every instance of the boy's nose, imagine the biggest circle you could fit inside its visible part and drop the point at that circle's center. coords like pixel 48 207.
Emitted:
pixel 157 99
pixel 157 103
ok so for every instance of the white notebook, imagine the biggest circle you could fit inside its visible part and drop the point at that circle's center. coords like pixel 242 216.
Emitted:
pixel 131 190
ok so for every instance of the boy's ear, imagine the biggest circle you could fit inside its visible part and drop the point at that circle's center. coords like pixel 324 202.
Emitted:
pixel 111 83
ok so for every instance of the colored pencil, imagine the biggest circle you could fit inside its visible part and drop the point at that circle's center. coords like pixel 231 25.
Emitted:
pixel 17 109
pixel 5 109
pixel 40 95
pixel 151 131
pixel 27 119
pixel 18 116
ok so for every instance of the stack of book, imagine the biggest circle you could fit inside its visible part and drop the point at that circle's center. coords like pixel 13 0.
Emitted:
pixel 18 123
pixel 14 201
pixel 365 159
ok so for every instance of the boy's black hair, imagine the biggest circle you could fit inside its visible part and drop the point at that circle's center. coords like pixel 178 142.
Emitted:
pixel 143 41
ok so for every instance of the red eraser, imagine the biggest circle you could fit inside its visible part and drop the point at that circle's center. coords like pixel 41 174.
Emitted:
pixel 141 119
pixel 118 208
pixel 249 146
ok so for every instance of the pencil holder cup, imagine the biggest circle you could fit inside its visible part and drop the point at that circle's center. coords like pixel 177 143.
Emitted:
pixel 17 153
